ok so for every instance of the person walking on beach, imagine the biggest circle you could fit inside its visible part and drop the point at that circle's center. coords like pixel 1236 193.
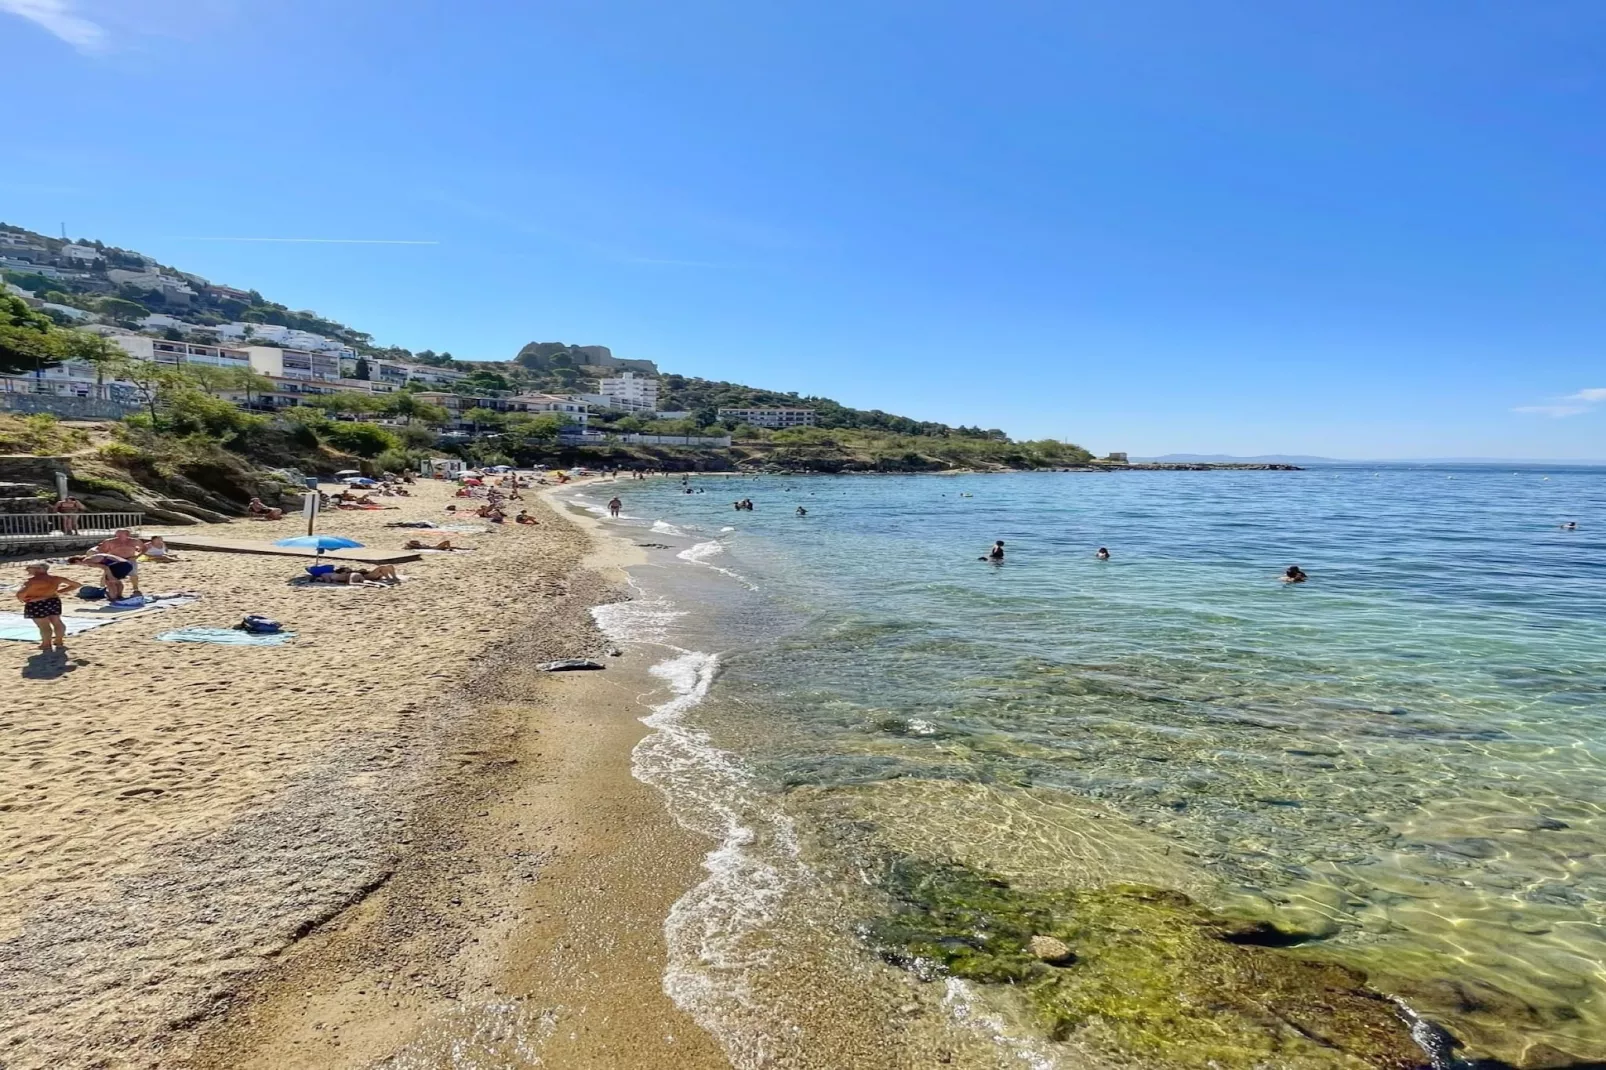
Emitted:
pixel 40 595
pixel 614 506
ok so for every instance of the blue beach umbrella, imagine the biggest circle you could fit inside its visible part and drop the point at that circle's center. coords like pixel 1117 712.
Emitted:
pixel 320 543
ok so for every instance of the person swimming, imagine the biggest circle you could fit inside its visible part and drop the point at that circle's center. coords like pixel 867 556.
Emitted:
pixel 1295 574
pixel 1103 554
pixel 1571 525
pixel 802 511
pixel 995 554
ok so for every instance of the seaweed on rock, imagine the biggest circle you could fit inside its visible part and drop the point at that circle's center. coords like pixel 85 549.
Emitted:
pixel 1150 973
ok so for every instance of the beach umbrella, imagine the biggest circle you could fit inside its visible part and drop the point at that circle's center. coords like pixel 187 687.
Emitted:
pixel 319 543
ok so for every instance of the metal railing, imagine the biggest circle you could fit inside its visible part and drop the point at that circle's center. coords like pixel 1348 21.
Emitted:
pixel 18 526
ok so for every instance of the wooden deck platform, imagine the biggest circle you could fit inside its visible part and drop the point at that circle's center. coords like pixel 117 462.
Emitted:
pixel 183 541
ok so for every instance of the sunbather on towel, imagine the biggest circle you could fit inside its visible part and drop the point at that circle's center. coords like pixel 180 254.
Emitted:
pixel 155 549
pixel 444 544
pixel 346 574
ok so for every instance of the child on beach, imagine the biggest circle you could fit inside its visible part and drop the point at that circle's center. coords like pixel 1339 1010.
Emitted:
pixel 40 595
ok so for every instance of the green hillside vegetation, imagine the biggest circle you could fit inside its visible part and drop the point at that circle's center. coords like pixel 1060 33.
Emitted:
pixel 845 438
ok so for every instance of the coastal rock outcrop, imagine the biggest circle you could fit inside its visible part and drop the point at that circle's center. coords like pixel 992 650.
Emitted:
pixel 1145 973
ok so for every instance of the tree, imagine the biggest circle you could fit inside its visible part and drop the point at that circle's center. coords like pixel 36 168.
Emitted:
pixel 122 311
pixel 151 381
pixel 362 370
pixel 407 406
pixel 482 417
pixel 29 341
pixel 211 380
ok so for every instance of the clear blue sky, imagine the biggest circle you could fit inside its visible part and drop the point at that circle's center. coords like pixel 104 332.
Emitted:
pixel 1349 228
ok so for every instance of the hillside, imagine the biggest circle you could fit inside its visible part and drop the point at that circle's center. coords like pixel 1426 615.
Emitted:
pixel 87 278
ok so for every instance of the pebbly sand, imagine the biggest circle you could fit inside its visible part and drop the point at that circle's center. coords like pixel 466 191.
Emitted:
pixel 389 842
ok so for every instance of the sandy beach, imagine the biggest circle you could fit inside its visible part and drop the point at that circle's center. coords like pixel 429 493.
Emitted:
pixel 390 838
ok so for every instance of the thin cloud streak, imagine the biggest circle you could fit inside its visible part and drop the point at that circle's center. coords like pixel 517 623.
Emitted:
pixel 57 17
pixel 317 241
pixel 1572 405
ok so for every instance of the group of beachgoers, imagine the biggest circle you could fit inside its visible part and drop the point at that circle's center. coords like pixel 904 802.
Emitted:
pixel 118 558
pixel 995 554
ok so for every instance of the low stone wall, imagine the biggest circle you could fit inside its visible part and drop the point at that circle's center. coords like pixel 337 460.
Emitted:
pixel 68 408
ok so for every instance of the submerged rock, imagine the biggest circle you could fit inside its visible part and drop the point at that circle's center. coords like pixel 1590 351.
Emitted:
pixel 1145 972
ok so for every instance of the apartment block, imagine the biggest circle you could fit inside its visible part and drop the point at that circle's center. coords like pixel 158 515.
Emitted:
pixel 770 417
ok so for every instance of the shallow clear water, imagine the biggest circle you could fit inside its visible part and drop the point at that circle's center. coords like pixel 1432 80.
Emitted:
pixel 1406 755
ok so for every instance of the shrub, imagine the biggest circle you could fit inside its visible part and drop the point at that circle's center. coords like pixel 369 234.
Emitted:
pixel 365 440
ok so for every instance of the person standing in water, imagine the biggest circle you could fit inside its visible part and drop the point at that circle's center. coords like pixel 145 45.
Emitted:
pixel 802 511
pixel 1103 554
pixel 996 554
pixel 614 506
pixel 1295 574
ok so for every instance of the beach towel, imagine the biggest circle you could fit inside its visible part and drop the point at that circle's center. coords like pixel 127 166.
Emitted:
pixel 143 603
pixel 226 637
pixel 16 627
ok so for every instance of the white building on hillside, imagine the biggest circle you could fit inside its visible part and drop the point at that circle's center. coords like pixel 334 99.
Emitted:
pixel 85 253
pixel 569 409
pixel 167 285
pixel 69 379
pixel 770 417
pixel 305 364
pixel 630 392
pixel 428 373
pixel 160 350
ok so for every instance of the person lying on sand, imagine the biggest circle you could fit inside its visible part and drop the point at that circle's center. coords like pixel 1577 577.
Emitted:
pixel 348 575
pixel 40 595
pixel 259 511
pixel 444 544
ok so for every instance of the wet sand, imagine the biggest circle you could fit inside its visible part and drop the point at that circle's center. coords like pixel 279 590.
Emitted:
pixel 386 841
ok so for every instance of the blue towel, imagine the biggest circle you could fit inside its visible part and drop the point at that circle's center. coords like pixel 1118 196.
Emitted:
pixel 226 636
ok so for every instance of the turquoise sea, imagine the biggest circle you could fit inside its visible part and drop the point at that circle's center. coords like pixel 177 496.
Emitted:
pixel 1403 760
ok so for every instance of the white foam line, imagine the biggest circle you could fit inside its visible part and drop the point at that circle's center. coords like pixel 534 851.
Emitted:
pixel 711 932
pixel 700 553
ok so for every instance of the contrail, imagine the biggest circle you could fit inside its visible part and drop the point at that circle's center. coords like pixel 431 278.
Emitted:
pixel 320 241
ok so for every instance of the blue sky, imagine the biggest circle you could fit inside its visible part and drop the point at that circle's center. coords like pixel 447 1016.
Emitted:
pixel 1355 228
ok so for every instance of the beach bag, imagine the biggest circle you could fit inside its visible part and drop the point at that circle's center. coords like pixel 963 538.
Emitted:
pixel 91 594
pixel 259 625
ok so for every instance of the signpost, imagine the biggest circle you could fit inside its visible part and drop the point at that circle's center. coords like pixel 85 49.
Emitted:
pixel 309 503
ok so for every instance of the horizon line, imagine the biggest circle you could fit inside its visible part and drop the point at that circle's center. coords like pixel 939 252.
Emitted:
pixel 320 241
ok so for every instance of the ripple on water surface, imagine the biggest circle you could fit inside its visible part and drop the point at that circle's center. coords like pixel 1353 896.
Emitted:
pixel 1405 756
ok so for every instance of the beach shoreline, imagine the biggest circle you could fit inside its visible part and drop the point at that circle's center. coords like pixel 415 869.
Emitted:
pixel 440 846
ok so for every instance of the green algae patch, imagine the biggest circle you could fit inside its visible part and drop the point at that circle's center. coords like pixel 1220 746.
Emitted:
pixel 1151 975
